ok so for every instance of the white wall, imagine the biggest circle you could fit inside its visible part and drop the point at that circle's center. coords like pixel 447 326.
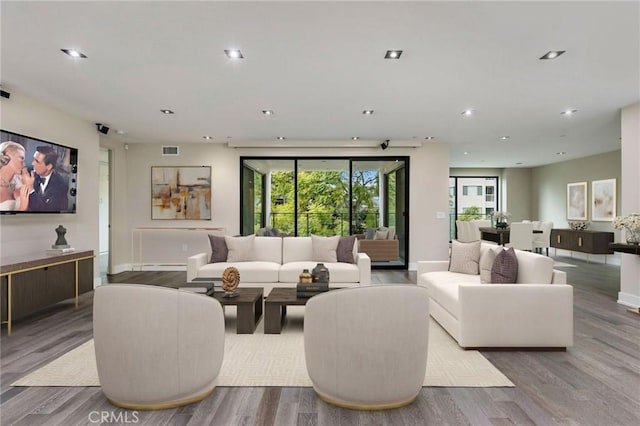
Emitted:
pixel 429 174
pixel 630 264
pixel 24 234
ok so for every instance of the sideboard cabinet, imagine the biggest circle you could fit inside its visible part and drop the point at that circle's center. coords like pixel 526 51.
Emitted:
pixel 585 241
pixel 33 282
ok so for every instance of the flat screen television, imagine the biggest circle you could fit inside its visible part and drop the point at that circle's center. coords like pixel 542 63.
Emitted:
pixel 36 176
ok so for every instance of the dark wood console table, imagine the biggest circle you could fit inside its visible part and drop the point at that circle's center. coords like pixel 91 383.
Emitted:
pixel 626 248
pixel 585 241
pixel 32 282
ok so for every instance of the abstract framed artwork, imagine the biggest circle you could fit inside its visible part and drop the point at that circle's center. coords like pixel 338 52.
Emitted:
pixel 603 200
pixel 181 193
pixel 577 201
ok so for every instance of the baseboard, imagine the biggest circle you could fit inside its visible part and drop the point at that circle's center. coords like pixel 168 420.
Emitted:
pixel 630 300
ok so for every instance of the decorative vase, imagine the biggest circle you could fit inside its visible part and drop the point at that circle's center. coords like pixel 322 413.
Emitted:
pixel 305 277
pixel 632 236
pixel 320 273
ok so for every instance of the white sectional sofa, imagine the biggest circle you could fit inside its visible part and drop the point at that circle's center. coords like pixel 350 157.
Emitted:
pixel 535 312
pixel 278 262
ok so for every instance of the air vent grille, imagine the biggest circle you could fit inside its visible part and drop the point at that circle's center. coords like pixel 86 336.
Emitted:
pixel 170 150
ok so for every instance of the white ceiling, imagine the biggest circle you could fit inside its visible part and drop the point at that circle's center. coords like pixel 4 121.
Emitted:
pixel 318 65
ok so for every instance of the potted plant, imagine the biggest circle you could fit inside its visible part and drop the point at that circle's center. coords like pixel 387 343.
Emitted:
pixel 501 219
pixel 631 224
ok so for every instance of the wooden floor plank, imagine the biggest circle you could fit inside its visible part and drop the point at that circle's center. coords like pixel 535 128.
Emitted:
pixel 595 382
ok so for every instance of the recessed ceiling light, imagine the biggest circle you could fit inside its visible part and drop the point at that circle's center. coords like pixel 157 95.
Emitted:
pixel 552 54
pixel 569 112
pixel 367 112
pixel 267 112
pixel 393 54
pixel 207 138
pixel 233 53
pixel 560 153
pixel 120 132
pixel 519 163
pixel 430 138
pixel 466 153
pixel 166 111
pixel 467 112
pixel 355 138
pixel 281 138
pixel 504 138
pixel 74 53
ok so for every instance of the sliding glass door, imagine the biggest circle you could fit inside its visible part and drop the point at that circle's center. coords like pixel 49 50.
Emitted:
pixel 329 196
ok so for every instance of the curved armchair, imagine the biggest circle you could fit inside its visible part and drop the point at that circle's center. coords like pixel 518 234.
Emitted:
pixel 366 347
pixel 156 347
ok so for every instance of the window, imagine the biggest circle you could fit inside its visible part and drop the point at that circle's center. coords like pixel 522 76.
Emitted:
pixel 471 190
pixel 489 191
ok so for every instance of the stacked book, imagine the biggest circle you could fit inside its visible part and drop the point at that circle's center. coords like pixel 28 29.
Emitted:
pixel 308 290
pixel 206 286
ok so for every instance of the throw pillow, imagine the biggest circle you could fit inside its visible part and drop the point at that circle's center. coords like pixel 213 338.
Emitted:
pixel 219 251
pixel 240 248
pixel 381 234
pixel 464 257
pixel 486 263
pixel 371 232
pixel 505 267
pixel 344 252
pixel 324 248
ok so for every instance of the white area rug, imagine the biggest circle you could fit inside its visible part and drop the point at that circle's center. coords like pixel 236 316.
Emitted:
pixel 278 360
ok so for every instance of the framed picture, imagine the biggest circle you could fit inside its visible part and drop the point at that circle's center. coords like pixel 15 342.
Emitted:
pixel 181 193
pixel 577 201
pixel 603 200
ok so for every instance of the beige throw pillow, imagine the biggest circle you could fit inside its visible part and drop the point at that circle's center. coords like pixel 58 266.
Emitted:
pixel 486 263
pixel 464 257
pixel 381 234
pixel 324 248
pixel 240 248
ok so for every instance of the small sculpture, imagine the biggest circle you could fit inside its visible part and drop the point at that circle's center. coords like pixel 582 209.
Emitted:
pixel 60 242
pixel 230 281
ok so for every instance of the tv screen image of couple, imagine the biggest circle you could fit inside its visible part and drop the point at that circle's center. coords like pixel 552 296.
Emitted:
pixel 36 176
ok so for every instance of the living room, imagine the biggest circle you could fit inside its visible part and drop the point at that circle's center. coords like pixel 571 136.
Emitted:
pixel 533 190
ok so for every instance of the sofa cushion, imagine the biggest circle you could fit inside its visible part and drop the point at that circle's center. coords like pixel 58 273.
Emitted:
pixel 297 249
pixel 339 272
pixel 370 234
pixel 250 272
pixel 240 248
pixel 443 288
pixel 344 251
pixel 505 267
pixel 381 234
pixel 464 257
pixel 267 249
pixel 324 248
pixel 219 250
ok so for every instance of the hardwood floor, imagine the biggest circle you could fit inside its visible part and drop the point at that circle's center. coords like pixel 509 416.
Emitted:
pixel 596 382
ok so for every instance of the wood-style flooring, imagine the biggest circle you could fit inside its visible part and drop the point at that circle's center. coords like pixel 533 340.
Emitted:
pixel 595 382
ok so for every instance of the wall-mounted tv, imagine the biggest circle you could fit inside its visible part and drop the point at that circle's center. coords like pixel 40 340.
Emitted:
pixel 36 176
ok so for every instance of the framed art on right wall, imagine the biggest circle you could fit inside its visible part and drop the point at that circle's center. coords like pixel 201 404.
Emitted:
pixel 577 201
pixel 603 200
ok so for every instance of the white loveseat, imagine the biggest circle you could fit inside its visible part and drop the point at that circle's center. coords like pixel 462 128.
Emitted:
pixel 278 262
pixel 536 312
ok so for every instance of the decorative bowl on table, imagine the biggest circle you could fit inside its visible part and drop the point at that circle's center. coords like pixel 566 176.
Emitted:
pixel 579 225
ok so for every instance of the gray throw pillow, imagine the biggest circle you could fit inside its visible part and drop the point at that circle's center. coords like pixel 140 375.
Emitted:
pixel 219 250
pixel 505 267
pixel 464 257
pixel 345 249
pixel 371 232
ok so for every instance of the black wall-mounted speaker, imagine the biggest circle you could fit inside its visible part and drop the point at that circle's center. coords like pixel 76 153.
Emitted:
pixel 102 128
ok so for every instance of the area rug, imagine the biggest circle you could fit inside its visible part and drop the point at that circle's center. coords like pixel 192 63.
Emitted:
pixel 278 360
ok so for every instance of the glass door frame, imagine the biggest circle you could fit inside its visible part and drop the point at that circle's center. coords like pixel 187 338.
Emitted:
pixel 405 159
pixel 454 217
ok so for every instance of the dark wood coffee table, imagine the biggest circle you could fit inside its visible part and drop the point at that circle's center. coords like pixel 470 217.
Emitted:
pixel 249 307
pixel 275 307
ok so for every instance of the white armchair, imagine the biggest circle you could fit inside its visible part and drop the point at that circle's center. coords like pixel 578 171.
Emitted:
pixel 156 347
pixel 366 347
